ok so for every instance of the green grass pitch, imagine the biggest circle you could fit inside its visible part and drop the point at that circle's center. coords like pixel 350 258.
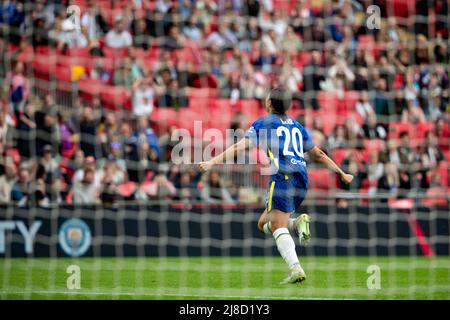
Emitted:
pixel 224 278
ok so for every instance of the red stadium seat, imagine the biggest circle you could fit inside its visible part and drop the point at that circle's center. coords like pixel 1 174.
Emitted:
pixel 115 97
pixel 250 108
pixel 89 88
pixel 395 128
pixel 221 114
pixel 321 179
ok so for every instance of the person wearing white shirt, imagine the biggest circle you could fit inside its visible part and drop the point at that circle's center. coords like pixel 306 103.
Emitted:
pixel 118 37
pixel 143 95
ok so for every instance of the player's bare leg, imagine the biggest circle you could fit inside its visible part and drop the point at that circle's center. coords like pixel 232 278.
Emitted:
pixel 299 226
pixel 276 223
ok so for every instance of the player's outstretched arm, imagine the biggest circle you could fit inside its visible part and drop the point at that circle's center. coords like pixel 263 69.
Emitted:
pixel 319 156
pixel 230 152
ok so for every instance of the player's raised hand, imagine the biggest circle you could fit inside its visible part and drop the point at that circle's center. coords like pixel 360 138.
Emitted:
pixel 205 166
pixel 347 178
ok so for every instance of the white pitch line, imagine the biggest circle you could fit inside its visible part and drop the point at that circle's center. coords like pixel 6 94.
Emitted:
pixel 166 295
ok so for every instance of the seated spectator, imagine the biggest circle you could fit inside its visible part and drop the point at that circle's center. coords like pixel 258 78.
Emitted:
pixel 99 72
pixel 50 164
pixel 7 179
pixel 192 29
pixel 92 22
pixel 160 188
pixel 70 37
pixel 372 129
pixel 108 191
pixel 338 138
pixel 363 106
pixel 357 169
pixel 118 37
pixel 186 188
pixel 375 170
pixel 21 189
pixel 291 42
pixel 123 75
pixel 390 181
pixel 223 38
pixel 89 164
pixel 85 190
pixel 175 40
pixel 404 149
pixel 173 96
pixel 432 150
pixel 213 190
pixel 144 133
pixel 39 194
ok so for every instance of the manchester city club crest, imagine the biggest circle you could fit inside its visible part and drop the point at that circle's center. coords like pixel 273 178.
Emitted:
pixel 74 237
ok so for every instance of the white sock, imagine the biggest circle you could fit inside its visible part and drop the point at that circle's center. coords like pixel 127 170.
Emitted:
pixel 286 247
pixel 267 228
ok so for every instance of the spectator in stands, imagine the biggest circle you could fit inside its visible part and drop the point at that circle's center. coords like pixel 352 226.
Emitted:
pixel 173 96
pixel 223 38
pixel 390 181
pixel 161 188
pixel 141 34
pixel 71 37
pixel 390 154
pixel 118 37
pixel 442 133
pixel 39 195
pixel 85 190
pixel 313 75
pixel 93 24
pixel 340 76
pixel 363 106
pixel 21 188
pixel 19 88
pixel 382 104
pixel 291 43
pixel 7 179
pixel 404 149
pixel 67 137
pixel 414 113
pixel 192 29
pixel 143 97
pixel 372 129
pixel 338 138
pixel 99 72
pixel 375 170
pixel 4 129
pixel 355 168
pixel 123 75
pixel 50 164
pixel 432 150
pixel 174 40
pixel 26 130
pixel 88 132
pixel 186 188
pixel 46 125
pixel 110 180
pixel 214 191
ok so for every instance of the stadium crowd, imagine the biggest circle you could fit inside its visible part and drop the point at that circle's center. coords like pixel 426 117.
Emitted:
pixel 393 136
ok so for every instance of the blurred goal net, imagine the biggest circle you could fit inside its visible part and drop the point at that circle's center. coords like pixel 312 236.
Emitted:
pixel 167 250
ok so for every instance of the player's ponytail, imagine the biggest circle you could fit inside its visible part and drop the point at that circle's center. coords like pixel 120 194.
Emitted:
pixel 280 101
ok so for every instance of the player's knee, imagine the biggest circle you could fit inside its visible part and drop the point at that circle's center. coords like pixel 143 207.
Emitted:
pixel 261 223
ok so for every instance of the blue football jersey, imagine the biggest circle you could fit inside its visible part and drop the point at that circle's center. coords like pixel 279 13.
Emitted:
pixel 284 139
